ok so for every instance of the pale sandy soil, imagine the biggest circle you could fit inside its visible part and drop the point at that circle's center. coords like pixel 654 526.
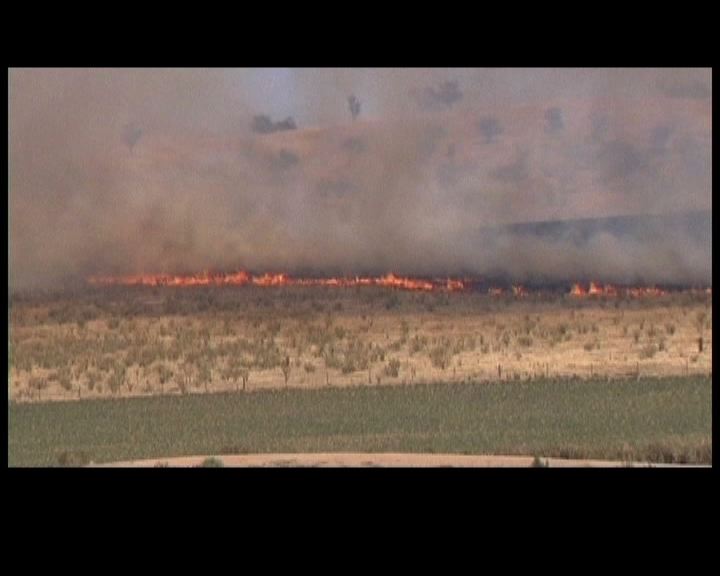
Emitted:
pixel 365 460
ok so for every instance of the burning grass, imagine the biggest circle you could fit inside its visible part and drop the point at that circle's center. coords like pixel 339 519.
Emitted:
pixel 657 420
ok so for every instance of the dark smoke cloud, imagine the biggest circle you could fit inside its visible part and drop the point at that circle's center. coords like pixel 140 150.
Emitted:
pixel 355 145
pixel 490 128
pixel 264 125
pixel 693 89
pixel 131 135
pixel 354 106
pixel 619 159
pixel 600 127
pixel 339 188
pixel 554 120
pixel 444 96
pixel 284 160
pixel 399 189
pixel 515 171
pixel 660 139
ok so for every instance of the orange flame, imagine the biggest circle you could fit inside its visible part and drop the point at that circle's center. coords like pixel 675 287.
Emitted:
pixel 243 278
pixel 597 289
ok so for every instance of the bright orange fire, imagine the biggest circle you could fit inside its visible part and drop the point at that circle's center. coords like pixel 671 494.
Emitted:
pixel 243 278
pixel 596 289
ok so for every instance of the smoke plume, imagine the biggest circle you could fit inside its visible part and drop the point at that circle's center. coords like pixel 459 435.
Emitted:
pixel 173 171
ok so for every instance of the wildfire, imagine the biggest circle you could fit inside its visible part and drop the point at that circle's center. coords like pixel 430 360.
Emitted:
pixel 596 289
pixel 393 281
pixel 243 278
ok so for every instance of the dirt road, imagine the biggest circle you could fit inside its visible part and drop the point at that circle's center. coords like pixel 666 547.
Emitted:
pixel 365 460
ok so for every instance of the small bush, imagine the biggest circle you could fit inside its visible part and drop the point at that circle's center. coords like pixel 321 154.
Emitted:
pixel 392 368
pixel 440 356
pixel 525 341
pixel 539 463
pixel 211 462
pixel 73 458
pixel 648 351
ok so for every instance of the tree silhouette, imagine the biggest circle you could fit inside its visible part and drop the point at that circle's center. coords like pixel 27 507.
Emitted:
pixel 354 104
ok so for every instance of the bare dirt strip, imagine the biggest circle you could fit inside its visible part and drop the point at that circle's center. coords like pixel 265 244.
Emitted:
pixel 365 460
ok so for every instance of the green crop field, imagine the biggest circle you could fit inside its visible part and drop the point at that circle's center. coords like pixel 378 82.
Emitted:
pixel 658 419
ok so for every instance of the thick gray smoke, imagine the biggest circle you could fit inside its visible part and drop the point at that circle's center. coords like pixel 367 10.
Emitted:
pixel 264 125
pixel 153 171
pixel 444 96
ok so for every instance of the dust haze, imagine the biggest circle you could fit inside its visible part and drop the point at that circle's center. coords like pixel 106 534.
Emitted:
pixel 124 171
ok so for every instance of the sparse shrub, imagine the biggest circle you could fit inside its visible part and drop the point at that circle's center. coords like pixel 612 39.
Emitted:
pixel 37 384
pixel 417 344
pixel 648 351
pixel 73 458
pixel 65 378
pixel 392 368
pixel 392 302
pixel 505 339
pixel 539 463
pixel 286 369
pixel 211 462
pixel 117 378
pixel 525 341
pixel 440 355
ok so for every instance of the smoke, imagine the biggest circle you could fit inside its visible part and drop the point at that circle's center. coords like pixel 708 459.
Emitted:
pixel 554 120
pixel 681 88
pixel 157 171
pixel 490 128
pixel 515 171
pixel 131 135
pixel 444 96
pixel 264 125
pixel 354 105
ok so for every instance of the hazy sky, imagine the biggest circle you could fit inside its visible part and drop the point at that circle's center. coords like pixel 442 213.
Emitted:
pixel 146 170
